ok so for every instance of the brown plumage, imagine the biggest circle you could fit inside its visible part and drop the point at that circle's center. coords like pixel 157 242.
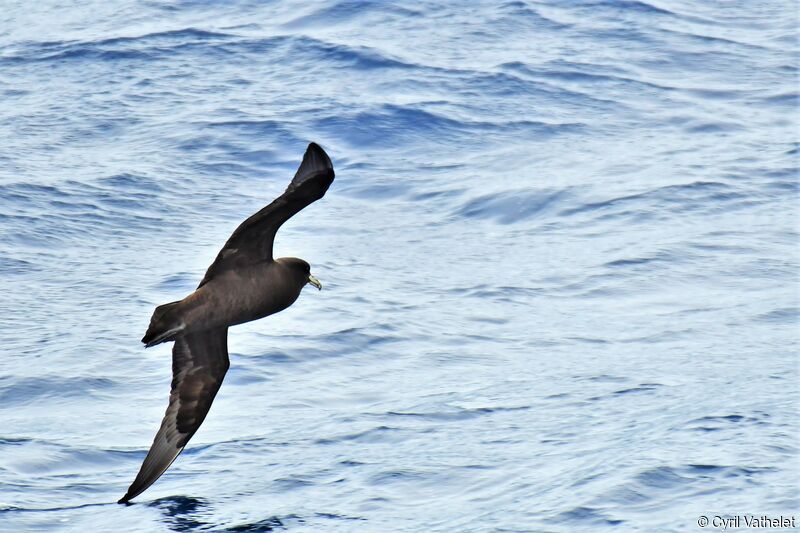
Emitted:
pixel 243 283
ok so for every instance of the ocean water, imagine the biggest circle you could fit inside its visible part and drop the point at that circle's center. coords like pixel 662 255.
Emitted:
pixel 560 261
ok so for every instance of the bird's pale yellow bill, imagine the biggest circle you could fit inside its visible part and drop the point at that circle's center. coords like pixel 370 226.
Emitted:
pixel 315 282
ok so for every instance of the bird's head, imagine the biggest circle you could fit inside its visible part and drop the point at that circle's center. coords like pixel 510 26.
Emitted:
pixel 301 271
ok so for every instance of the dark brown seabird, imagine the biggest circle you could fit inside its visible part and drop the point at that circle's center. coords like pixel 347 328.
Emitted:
pixel 243 283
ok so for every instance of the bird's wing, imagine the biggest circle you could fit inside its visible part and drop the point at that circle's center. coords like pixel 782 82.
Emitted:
pixel 199 363
pixel 252 241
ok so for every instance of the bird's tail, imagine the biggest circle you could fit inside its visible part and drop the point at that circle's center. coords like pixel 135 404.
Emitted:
pixel 165 323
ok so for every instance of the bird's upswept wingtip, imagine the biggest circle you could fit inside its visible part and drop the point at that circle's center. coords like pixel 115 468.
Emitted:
pixel 312 146
pixel 314 160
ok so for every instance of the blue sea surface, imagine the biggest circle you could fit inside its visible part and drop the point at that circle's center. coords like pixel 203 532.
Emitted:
pixel 560 261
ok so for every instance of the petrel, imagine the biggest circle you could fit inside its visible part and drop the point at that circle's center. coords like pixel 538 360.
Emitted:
pixel 243 283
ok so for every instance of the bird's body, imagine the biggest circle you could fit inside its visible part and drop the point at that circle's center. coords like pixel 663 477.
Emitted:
pixel 243 284
pixel 239 296
pixel 242 296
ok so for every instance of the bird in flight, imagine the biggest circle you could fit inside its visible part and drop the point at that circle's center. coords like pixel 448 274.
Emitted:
pixel 243 283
